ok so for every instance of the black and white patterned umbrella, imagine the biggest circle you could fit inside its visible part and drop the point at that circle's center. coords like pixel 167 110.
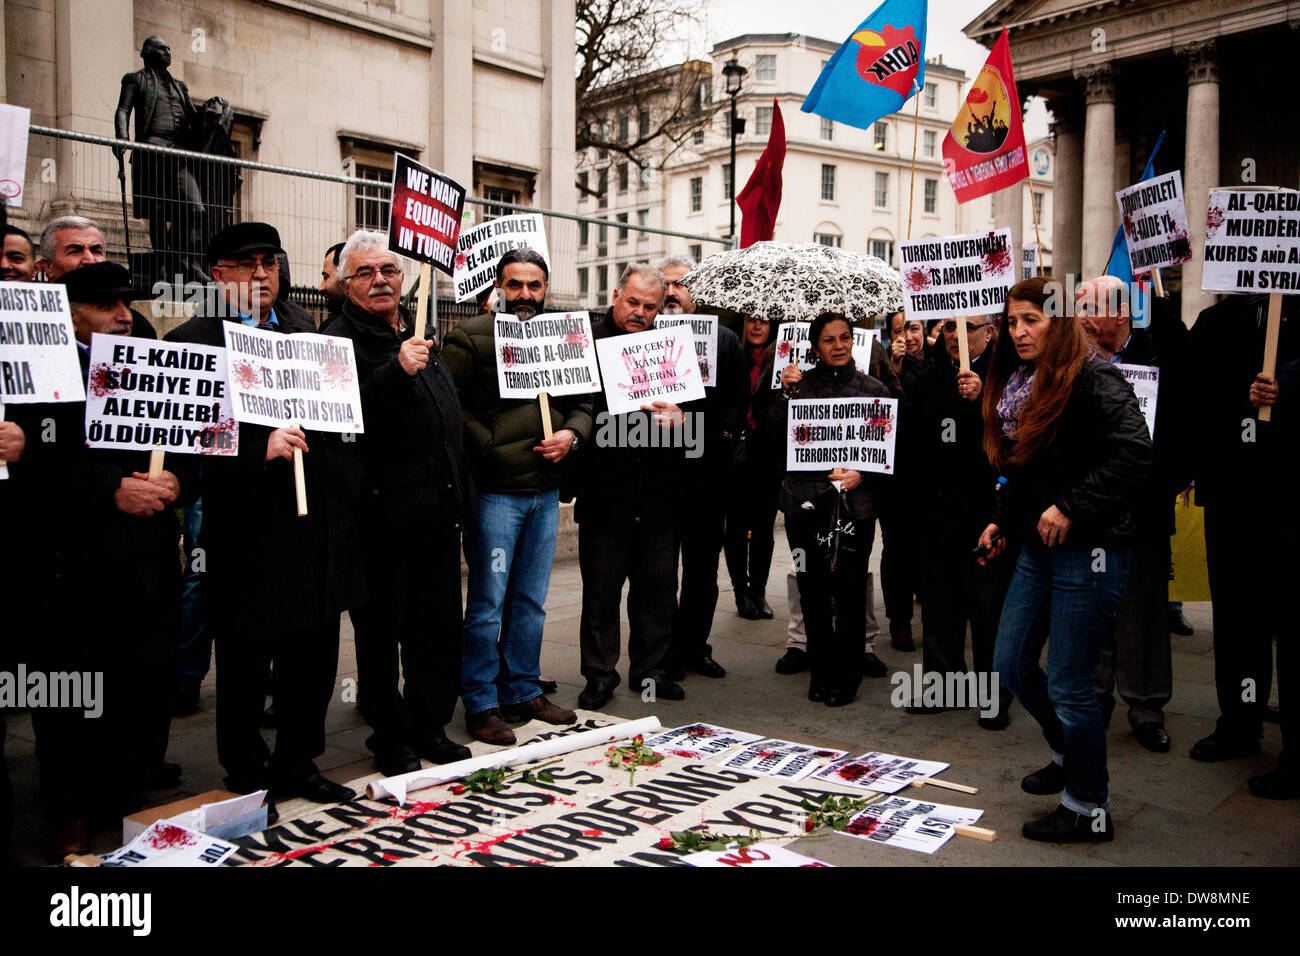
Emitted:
pixel 796 282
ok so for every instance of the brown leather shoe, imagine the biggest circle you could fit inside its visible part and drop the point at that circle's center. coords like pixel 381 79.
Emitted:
pixel 70 839
pixel 538 708
pixel 488 727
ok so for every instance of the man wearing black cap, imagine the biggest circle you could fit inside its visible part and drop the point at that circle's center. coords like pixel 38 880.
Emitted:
pixel 274 584
pixel 113 586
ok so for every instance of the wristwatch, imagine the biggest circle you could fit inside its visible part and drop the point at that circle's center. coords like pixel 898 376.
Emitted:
pixel 577 440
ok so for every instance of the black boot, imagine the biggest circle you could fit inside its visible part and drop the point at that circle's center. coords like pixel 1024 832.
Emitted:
pixel 745 606
pixel 760 604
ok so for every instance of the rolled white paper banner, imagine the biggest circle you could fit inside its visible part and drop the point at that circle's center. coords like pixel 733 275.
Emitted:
pixel 398 787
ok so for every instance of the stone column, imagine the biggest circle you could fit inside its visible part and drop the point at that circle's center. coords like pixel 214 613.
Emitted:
pixel 1067 191
pixel 556 189
pixel 1200 164
pixel 1099 209
pixel 451 95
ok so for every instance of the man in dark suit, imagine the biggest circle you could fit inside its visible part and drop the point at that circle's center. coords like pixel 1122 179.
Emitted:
pixel 413 507
pixel 274 583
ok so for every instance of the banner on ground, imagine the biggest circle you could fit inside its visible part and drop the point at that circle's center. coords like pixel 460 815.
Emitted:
pixel 479 248
pixel 38 350
pixel 781 758
pixel 1145 380
pixel 850 433
pixel 792 346
pixel 984 150
pixel 704 329
pixel 883 773
pixel 646 367
pixel 948 276
pixel 1029 260
pixel 1154 217
pixel 280 380
pixel 911 824
pixel 550 353
pixel 761 855
pixel 143 394
pixel 699 741
pixel 1252 241
pixel 425 213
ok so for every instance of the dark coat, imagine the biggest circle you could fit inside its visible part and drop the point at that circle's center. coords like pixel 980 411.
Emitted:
pixel 950 469
pixel 765 449
pixel 415 468
pixel 1093 469
pixel 822 381
pixel 723 408
pixel 268 570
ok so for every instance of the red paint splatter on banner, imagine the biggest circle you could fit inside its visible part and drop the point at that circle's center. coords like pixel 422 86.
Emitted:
pixel 593 833
pixel 224 426
pixel 576 338
pixel 998 261
pixel 460 261
pixel 1213 220
pixel 336 374
pixel 881 421
pixel 800 434
pixel 853 771
pixel 507 356
pixel 688 754
pixel 704 368
pixel 765 754
pixel 917 279
pixel 668 372
pixel 863 827
pixel 96 386
pixel 1181 243
pixel 485 846
pixel 169 837
pixel 783 350
pixel 824 754
pixel 247 375
pixel 415 809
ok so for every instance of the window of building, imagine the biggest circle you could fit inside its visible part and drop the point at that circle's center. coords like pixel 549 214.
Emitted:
pixel 697 193
pixel 622 177
pixel 582 280
pixel 494 194
pixel 623 122
pixel 584 184
pixel 726 180
pixel 882 190
pixel 643 220
pixel 763 120
pixel 931 195
pixel 373 167
pixel 602 280
pixel 643 123
pixel 878 135
pixel 1038 206
pixel 602 188
pixel 619 270
pixel 883 249
pixel 828 183
pixel 704 94
pixel 765 68
pixel 697 137
pixel 696 251
pixel 584 233
pixel 622 233
pixel 827 239
pixel 931 95
pixel 929 137
pixel 828 129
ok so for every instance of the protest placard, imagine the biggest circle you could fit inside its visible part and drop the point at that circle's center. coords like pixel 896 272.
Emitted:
pixel 1145 380
pixel 756 855
pixel 883 773
pixel 947 276
pixel 781 758
pixel 14 124
pixel 547 353
pixel 910 824
pixel 646 367
pixel 479 248
pixel 1154 215
pixel 1029 260
pixel 704 328
pixel 169 844
pixel 1252 241
pixel 306 380
pixel 850 433
pixel 145 395
pixel 792 346
pixel 699 741
pixel 425 218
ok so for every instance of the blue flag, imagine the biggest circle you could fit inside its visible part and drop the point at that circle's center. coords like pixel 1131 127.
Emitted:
pixel 1120 266
pixel 875 70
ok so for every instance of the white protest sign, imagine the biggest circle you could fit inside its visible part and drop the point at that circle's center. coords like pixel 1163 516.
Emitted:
pixel 1029 260
pixel 1145 380
pixel 792 346
pixel 1155 223
pixel 949 276
pixel 850 433
pixel 699 741
pixel 883 773
pixel 754 856
pixel 549 353
pixel 1252 241
pixel 646 367
pixel 780 758
pixel 705 330
pixel 143 394
pixel 280 380
pixel 14 123
pixel 911 824
pixel 38 351
pixel 169 844
pixel 479 248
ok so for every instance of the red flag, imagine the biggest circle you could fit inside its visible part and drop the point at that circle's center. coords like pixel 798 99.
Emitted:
pixel 760 200
pixel 984 150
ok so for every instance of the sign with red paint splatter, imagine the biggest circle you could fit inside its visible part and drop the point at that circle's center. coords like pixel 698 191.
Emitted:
pixel 38 351
pixel 911 824
pixel 792 346
pixel 699 741
pixel 704 330
pixel 143 394
pixel 479 248
pixel 857 434
pixel 646 367
pixel 1252 241
pixel 166 843
pixel 306 379
pixel 883 773
pixel 761 855
pixel 948 276
pixel 781 758
pixel 550 353
pixel 424 219
pixel 1155 223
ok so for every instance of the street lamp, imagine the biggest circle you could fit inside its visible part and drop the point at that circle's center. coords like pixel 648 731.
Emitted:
pixel 734 73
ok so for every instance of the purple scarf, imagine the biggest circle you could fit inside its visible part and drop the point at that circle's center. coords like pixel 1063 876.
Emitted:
pixel 1014 396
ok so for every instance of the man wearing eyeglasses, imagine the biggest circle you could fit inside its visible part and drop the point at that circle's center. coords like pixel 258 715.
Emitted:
pixel 414 503
pixel 274 584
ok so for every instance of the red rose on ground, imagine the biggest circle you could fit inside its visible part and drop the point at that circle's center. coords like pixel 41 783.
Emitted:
pixel 458 789
pixel 666 843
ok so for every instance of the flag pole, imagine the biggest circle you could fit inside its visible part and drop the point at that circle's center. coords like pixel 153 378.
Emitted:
pixel 911 186
pixel 1033 211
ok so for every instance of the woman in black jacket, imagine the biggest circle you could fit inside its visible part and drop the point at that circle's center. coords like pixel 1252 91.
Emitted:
pixel 830 553
pixel 1068 438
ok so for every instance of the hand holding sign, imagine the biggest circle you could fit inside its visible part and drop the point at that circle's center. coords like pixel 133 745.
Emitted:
pixel 414 355
pixel 1263 391
pixel 169 485
pixel 12 442
pixel 555 447
pixel 666 414
pixel 284 441
pixel 140 497
pixel 847 477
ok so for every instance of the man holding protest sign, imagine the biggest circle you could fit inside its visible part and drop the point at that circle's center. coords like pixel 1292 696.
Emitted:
pixel 275 583
pixel 515 462
pixel 414 503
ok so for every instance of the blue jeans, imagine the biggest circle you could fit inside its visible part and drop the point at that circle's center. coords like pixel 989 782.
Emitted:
pixel 511 549
pixel 1066 597
pixel 194 655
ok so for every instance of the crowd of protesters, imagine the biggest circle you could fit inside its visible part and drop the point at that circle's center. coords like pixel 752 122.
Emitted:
pixel 1030 502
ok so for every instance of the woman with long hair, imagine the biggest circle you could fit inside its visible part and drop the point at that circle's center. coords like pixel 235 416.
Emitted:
pixel 1068 439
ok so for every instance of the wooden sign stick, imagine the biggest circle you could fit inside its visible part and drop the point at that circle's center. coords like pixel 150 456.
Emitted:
pixel 1270 346
pixel 946 784
pixel 2 418
pixel 156 462
pixel 975 833
pixel 422 301
pixel 1159 286
pixel 299 482
pixel 963 346
pixel 544 402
